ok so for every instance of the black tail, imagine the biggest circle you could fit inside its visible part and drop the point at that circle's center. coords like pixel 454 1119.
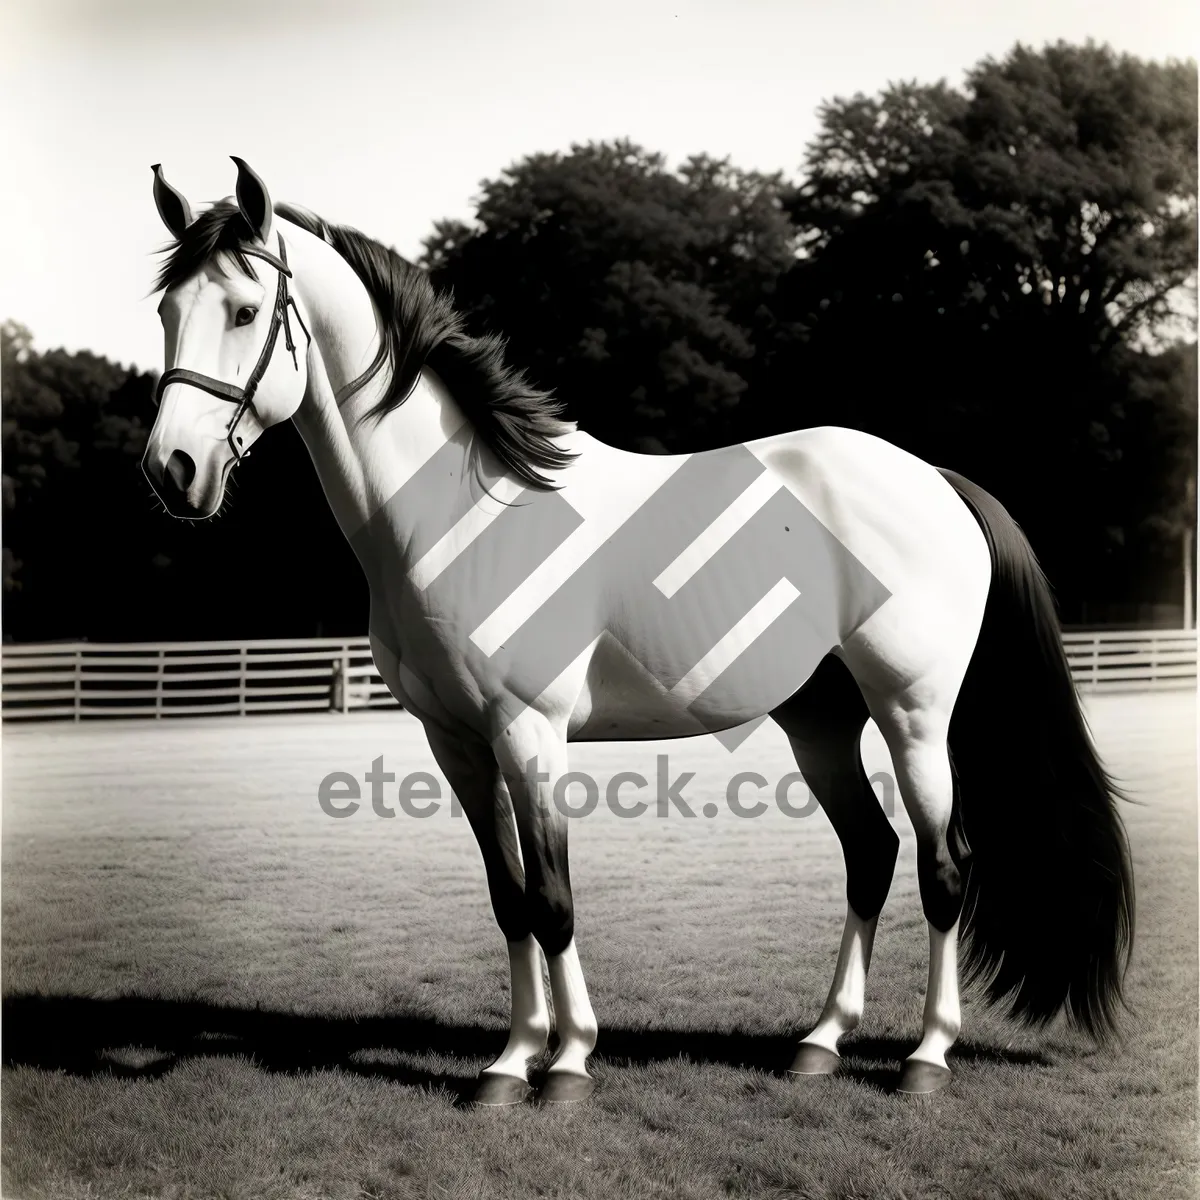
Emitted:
pixel 1049 905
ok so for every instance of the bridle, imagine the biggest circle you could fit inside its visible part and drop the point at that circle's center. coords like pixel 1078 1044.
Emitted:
pixel 243 396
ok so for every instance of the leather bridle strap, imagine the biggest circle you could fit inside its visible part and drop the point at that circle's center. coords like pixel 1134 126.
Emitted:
pixel 243 396
pixel 227 391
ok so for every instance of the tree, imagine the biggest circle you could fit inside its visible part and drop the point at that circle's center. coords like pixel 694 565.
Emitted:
pixel 1002 252
pixel 89 553
pixel 35 451
pixel 1061 188
pixel 1161 436
pixel 639 293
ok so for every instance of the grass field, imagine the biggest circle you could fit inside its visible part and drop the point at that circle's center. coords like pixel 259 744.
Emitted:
pixel 213 989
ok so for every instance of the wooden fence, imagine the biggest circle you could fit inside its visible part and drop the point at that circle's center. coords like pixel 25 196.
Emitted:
pixel 1110 660
pixel 175 679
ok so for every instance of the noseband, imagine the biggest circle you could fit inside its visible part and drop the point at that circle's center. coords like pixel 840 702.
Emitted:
pixel 243 397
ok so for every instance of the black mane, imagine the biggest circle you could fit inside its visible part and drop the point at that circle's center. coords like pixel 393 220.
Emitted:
pixel 421 328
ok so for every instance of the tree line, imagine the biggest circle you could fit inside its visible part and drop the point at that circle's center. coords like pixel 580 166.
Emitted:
pixel 983 275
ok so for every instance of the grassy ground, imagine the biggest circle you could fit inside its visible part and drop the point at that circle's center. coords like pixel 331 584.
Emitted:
pixel 214 989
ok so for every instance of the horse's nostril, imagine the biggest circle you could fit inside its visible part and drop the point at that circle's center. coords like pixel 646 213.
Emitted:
pixel 182 469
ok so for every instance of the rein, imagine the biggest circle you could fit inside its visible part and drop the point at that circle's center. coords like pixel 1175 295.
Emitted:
pixel 243 397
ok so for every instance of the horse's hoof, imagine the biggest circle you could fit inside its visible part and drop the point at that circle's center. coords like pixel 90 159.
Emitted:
pixel 500 1091
pixel 814 1060
pixel 921 1078
pixel 565 1087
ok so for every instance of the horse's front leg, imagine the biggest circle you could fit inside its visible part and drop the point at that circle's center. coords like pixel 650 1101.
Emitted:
pixel 532 755
pixel 471 769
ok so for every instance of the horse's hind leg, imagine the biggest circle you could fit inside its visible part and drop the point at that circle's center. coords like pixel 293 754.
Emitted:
pixel 824 724
pixel 915 723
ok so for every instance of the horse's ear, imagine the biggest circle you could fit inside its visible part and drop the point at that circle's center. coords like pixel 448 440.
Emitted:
pixel 174 209
pixel 254 200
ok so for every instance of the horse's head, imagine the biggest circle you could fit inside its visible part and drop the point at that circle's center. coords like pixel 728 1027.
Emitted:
pixel 233 368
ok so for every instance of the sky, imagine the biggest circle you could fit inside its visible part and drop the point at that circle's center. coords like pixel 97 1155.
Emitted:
pixel 387 116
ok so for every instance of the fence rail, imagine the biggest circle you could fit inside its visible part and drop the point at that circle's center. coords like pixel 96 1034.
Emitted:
pixel 175 679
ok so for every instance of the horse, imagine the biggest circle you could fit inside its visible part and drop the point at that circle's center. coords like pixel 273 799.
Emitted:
pixel 531 586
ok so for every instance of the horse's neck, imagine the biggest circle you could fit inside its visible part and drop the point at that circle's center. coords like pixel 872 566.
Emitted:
pixel 362 462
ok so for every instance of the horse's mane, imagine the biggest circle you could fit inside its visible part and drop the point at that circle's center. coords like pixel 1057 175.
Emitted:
pixel 421 328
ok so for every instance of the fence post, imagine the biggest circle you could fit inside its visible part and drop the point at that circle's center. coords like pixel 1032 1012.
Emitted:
pixel 337 684
pixel 1095 659
pixel 158 684
pixel 243 665
pixel 345 678
pixel 78 683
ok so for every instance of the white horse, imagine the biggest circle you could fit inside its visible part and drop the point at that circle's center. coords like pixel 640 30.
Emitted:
pixel 531 586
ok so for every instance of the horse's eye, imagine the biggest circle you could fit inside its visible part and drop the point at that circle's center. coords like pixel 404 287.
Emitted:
pixel 245 315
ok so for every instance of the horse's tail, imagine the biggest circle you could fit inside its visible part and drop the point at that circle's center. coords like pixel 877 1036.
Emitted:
pixel 1049 906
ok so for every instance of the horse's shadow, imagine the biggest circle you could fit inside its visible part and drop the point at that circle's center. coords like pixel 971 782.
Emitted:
pixel 135 1037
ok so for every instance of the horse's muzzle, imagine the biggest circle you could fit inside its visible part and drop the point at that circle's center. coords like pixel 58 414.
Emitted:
pixel 171 482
